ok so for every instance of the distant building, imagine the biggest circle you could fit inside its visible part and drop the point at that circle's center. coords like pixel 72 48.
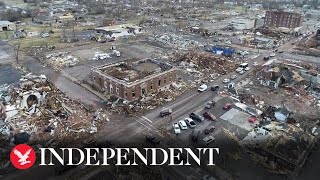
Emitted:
pixel 41 16
pixel 6 26
pixel 280 18
pixel 120 30
pixel 64 17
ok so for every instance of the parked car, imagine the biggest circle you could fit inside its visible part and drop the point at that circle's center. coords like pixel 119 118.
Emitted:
pixel 226 80
pixel 280 51
pixel 209 104
pixel 195 134
pixel 209 116
pixel 176 128
pixel 233 77
pixel 241 72
pixel 152 140
pixel 255 64
pixel 207 140
pixel 165 112
pixel 202 88
pixel 227 106
pixel 239 69
pixel 183 125
pixel 247 69
pixel 272 55
pixel 252 120
pixel 215 88
pixel 196 117
pixel 209 130
pixel 190 122
pixel 266 58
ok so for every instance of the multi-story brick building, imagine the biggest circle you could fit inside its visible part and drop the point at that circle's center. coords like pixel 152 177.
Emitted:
pixel 132 80
pixel 280 18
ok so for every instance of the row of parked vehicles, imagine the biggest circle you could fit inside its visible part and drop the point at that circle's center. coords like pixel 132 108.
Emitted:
pixel 190 122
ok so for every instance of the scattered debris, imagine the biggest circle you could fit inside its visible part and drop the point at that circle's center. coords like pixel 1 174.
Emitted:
pixel 281 147
pixel 62 59
pixel 36 110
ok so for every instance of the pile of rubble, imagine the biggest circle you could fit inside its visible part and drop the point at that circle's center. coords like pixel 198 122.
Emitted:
pixel 204 65
pixel 272 141
pixel 177 41
pixel 38 110
pixel 62 59
pixel 270 32
pixel 150 102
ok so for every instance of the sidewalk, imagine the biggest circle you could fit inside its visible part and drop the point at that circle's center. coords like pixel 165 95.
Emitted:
pixel 66 75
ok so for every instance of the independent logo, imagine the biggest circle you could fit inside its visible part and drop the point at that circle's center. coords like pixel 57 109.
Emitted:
pixel 22 156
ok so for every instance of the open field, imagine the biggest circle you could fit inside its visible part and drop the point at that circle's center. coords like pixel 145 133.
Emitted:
pixel 28 42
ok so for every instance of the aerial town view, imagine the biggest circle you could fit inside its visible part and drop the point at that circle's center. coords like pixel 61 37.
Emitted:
pixel 233 86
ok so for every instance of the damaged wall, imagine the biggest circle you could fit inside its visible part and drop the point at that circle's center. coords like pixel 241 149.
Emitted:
pixel 133 90
pixel 2 111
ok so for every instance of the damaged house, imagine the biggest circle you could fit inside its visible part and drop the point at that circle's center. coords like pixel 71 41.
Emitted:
pixel 132 80
pixel 281 147
pixel 276 76
pixel 280 114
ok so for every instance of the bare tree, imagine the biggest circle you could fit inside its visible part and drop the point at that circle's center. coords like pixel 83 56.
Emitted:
pixel 17 48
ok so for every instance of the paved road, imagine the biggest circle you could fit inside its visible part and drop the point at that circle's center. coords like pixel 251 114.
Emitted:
pixel 5 70
pixel 73 90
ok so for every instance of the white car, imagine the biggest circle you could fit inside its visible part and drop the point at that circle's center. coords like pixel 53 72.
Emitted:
pixel 255 64
pixel 176 128
pixel 234 76
pixel 226 80
pixel 239 69
pixel 241 72
pixel 183 125
pixel 247 69
pixel 190 122
pixel 272 55
pixel 202 88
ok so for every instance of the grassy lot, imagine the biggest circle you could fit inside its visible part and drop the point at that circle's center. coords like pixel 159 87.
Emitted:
pixel 5 35
pixel 29 42
pixel 18 3
pixel 240 9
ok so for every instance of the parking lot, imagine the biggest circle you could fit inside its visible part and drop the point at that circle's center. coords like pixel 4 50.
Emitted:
pixel 82 70
pixel 219 124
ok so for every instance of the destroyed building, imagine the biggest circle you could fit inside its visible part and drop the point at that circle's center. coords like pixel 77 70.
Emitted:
pixel 279 114
pixel 132 80
pixel 37 109
pixel 279 146
pixel 274 76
